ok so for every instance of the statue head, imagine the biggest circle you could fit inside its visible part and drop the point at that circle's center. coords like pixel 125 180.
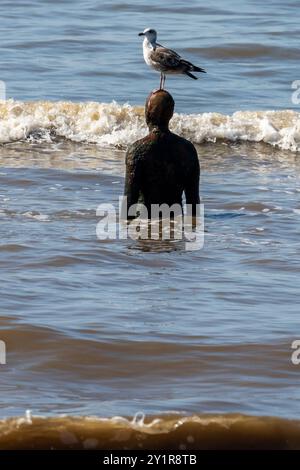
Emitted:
pixel 159 109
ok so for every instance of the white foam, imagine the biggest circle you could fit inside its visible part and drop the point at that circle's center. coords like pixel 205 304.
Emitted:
pixel 111 124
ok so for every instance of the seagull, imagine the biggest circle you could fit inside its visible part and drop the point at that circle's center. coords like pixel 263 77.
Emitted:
pixel 165 60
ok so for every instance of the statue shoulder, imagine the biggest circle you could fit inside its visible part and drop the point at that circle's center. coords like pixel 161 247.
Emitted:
pixel 138 149
pixel 188 146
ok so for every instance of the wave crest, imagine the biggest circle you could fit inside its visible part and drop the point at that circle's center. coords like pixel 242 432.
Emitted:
pixel 112 124
pixel 156 432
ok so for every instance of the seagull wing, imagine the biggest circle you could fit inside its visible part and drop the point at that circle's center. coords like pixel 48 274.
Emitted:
pixel 169 50
pixel 165 58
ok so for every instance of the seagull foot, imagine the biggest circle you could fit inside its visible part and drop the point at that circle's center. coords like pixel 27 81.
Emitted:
pixel 158 89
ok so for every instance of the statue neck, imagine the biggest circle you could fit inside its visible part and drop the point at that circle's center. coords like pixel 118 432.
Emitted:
pixel 158 128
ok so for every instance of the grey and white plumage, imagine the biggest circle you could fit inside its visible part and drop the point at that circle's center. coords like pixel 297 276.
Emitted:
pixel 163 60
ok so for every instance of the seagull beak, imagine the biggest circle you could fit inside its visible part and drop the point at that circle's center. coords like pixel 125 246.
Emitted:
pixel 141 34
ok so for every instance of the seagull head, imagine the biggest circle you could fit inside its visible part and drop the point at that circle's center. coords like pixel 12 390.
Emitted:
pixel 150 34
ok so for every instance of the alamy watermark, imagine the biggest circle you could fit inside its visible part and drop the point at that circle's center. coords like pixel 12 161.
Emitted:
pixel 296 94
pixel 161 222
pixel 295 357
pixel 2 353
pixel 2 90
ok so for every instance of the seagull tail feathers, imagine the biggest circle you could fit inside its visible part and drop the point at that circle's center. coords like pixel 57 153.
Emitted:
pixel 198 69
pixel 189 67
pixel 191 75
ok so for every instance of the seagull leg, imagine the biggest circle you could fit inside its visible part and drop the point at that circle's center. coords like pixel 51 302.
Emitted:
pixel 161 80
pixel 164 79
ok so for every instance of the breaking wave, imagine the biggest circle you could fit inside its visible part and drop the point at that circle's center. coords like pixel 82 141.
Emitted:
pixel 156 432
pixel 112 124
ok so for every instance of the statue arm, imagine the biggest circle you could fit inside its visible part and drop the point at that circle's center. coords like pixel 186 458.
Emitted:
pixel 192 184
pixel 132 182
